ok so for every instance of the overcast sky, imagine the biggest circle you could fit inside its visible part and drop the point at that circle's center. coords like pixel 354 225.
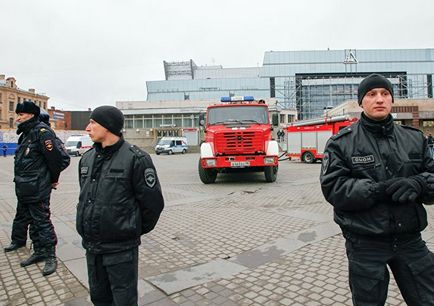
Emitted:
pixel 86 53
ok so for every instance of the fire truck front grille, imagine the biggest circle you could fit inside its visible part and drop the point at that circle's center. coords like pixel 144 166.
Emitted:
pixel 239 142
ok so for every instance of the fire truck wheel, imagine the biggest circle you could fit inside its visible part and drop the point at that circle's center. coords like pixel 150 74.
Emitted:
pixel 271 173
pixel 308 158
pixel 207 176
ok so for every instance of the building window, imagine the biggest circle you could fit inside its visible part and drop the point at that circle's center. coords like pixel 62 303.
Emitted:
pixel 428 123
pixel 167 120
pixel 187 121
pixel 19 99
pixel 11 123
pixel 158 121
pixel 138 123
pixel 148 123
pixel 45 105
pixel 11 106
pixel 177 121
pixel 128 123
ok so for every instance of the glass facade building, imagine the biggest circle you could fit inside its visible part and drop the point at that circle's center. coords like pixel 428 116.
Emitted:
pixel 309 81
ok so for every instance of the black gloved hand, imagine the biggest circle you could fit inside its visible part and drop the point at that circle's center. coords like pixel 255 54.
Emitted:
pixel 406 189
pixel 379 189
pixel 430 182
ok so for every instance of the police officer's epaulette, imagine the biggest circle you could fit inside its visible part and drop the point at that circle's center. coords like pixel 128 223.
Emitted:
pixel 344 131
pixel 88 151
pixel 43 128
pixel 411 128
pixel 137 151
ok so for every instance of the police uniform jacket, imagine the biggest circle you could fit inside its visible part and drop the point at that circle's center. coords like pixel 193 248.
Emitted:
pixel 359 157
pixel 120 197
pixel 37 161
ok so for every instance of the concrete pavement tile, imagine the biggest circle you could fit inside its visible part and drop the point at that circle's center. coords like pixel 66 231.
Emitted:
pixel 182 279
pixel 81 301
pixel 78 267
pixel 68 251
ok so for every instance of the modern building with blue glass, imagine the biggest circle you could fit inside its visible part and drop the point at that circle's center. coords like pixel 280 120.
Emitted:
pixel 308 81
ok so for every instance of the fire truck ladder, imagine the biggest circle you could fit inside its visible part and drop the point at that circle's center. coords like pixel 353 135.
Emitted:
pixel 320 120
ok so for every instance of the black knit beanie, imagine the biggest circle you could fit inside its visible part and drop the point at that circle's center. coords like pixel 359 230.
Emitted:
pixel 28 107
pixel 109 117
pixel 373 81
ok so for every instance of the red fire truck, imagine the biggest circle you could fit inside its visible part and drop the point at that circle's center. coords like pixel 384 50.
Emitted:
pixel 237 136
pixel 306 139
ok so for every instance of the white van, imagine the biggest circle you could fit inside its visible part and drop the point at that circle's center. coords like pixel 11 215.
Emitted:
pixel 78 144
pixel 172 145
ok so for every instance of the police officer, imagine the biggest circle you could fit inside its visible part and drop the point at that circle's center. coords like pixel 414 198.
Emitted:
pixel 120 199
pixel 37 169
pixel 377 175
pixel 23 221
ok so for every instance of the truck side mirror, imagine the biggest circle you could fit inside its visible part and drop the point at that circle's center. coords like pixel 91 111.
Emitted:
pixel 275 120
pixel 202 119
pixel 79 145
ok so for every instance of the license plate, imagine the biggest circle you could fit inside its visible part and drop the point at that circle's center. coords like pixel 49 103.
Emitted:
pixel 241 164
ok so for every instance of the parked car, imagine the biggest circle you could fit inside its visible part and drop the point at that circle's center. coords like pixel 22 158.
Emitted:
pixel 171 145
pixel 78 144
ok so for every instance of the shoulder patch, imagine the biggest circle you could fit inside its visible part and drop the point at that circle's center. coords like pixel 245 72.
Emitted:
pixel 137 151
pixel 42 130
pixel 411 128
pixel 344 131
pixel 150 177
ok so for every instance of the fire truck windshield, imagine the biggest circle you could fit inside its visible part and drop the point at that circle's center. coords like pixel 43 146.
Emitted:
pixel 238 114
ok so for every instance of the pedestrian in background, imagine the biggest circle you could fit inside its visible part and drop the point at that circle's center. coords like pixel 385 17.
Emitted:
pixel 38 163
pixel 430 141
pixel 377 175
pixel 5 150
pixel 120 199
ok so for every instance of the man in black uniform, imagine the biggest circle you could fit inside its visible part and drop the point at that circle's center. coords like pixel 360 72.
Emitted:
pixel 120 199
pixel 37 169
pixel 23 221
pixel 377 175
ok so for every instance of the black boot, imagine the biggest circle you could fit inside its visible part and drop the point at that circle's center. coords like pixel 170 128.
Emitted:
pixel 50 261
pixel 14 246
pixel 50 266
pixel 34 258
pixel 37 256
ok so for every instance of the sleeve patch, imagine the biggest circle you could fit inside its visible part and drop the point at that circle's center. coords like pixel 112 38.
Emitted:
pixel 325 163
pixel 150 178
pixel 48 144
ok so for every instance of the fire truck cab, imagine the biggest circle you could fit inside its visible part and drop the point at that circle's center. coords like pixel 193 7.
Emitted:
pixel 238 136
pixel 306 139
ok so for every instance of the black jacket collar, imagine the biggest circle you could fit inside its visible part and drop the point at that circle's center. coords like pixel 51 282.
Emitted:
pixel 109 150
pixel 27 125
pixel 381 128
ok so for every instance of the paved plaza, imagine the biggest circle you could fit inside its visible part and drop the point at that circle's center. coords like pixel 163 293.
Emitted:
pixel 240 241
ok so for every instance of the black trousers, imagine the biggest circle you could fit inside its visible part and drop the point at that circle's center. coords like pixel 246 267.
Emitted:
pixel 410 261
pixel 37 216
pixel 113 278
